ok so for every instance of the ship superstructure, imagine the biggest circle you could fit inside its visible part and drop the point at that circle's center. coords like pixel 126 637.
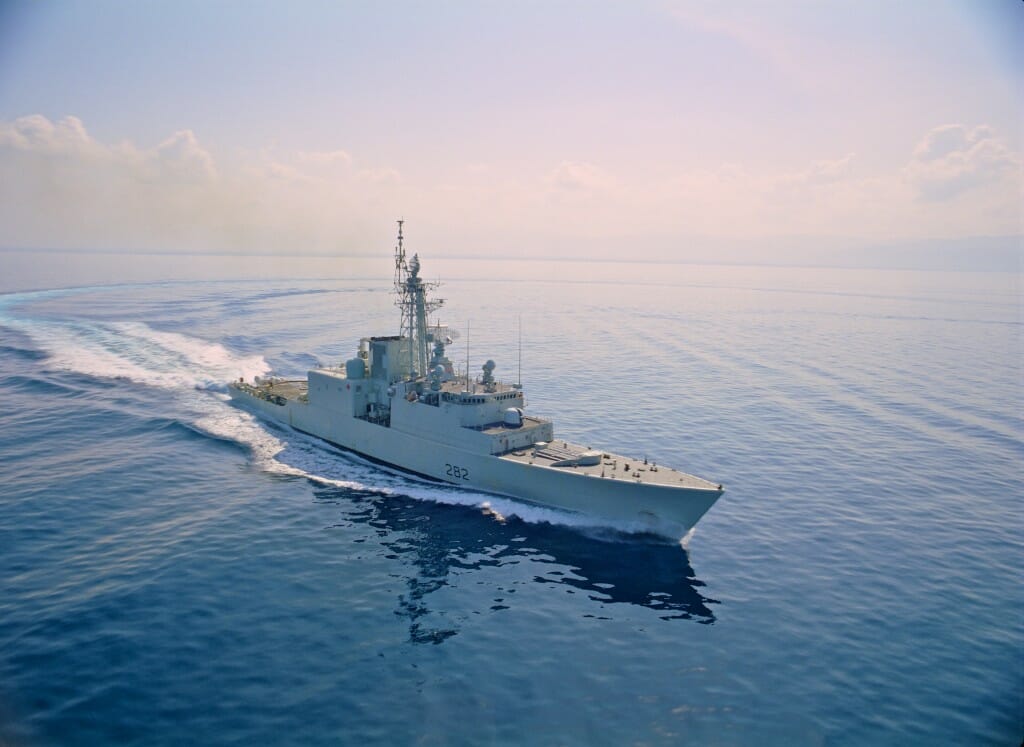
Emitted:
pixel 399 401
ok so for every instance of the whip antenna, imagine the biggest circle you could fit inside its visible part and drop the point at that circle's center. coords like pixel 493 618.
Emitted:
pixel 519 374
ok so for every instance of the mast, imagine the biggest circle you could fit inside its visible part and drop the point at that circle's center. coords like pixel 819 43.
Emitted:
pixel 411 298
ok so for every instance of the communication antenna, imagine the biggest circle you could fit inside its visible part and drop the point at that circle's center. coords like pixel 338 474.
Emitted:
pixel 411 296
pixel 519 374
pixel 400 253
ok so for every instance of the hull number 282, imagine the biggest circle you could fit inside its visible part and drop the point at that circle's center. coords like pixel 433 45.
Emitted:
pixel 459 473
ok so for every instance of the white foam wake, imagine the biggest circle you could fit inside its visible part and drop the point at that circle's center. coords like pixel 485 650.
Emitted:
pixel 138 353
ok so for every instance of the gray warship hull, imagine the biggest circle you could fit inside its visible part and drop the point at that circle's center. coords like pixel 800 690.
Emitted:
pixel 628 493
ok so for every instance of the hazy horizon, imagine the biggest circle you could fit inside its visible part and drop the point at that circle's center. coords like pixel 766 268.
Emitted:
pixel 845 135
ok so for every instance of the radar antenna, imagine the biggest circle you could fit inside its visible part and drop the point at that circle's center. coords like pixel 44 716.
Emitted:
pixel 411 298
pixel 399 253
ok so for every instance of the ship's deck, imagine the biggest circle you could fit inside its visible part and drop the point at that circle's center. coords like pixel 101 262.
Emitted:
pixel 611 466
pixel 292 389
pixel 295 388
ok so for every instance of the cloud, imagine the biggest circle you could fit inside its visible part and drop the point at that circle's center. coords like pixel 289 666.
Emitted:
pixel 37 133
pixel 182 156
pixel 66 142
pixel 942 141
pixel 383 176
pixel 284 172
pixel 820 172
pixel 62 188
pixel 330 157
pixel 577 176
pixel 953 159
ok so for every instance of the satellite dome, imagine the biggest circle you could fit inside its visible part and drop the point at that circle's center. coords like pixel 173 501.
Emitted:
pixel 513 418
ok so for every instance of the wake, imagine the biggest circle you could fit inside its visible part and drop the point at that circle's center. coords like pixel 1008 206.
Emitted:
pixel 194 372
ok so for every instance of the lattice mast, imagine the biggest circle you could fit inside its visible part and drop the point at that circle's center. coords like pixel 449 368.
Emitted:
pixel 411 298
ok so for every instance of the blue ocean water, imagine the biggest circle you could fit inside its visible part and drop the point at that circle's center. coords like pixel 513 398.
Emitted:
pixel 175 570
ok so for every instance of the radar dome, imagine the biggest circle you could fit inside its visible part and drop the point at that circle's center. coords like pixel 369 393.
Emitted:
pixel 513 418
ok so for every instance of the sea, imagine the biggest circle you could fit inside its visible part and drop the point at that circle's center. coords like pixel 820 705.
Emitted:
pixel 175 570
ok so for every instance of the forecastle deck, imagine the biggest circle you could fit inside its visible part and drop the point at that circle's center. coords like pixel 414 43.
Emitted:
pixel 563 455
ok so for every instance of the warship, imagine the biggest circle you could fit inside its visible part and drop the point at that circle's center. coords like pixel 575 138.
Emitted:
pixel 400 402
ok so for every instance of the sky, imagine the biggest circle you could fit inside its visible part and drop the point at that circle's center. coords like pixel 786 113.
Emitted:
pixel 648 129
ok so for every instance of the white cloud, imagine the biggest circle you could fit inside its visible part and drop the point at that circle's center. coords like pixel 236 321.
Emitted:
pixel 61 188
pixel 821 172
pixel 383 176
pixel 947 139
pixel 37 133
pixel 331 157
pixel 953 159
pixel 182 156
pixel 284 172
pixel 66 144
pixel 579 176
